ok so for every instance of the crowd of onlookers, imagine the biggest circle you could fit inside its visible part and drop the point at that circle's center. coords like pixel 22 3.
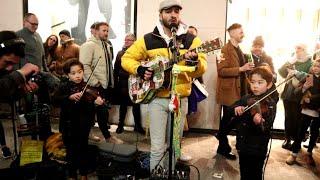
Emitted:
pixel 246 88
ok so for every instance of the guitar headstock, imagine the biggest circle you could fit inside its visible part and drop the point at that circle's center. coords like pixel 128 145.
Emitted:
pixel 209 46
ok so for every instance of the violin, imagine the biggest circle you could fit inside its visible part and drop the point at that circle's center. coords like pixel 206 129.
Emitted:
pixel 259 106
pixel 262 107
pixel 88 94
pixel 251 105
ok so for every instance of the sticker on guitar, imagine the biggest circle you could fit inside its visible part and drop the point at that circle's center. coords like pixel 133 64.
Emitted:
pixel 142 91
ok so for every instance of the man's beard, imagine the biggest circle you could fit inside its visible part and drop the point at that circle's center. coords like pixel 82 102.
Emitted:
pixel 239 40
pixel 103 38
pixel 170 25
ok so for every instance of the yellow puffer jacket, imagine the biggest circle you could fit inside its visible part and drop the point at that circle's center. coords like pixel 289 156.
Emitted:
pixel 152 45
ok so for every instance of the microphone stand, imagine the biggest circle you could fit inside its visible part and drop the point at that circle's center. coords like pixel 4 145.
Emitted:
pixel 175 53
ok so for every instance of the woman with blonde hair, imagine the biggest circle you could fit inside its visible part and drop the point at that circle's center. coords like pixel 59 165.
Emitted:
pixel 300 62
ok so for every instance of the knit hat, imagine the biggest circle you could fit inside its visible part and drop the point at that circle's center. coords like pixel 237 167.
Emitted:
pixel 65 32
pixel 258 41
pixel 166 4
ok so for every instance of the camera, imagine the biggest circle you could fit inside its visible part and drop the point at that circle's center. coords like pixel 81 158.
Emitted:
pixel 36 78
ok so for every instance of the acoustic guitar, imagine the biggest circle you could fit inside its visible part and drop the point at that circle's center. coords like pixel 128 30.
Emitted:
pixel 144 91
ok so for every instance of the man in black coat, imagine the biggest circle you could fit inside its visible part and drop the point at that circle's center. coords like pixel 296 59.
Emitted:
pixel 121 83
pixel 13 84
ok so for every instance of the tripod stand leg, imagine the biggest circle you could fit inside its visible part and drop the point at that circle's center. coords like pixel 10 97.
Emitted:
pixel 14 128
pixel 171 170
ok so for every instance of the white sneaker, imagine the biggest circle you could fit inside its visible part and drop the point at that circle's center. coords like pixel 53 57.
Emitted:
pixel 185 158
pixel 114 140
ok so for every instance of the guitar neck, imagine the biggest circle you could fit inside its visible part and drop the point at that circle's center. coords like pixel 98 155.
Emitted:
pixel 206 47
pixel 182 57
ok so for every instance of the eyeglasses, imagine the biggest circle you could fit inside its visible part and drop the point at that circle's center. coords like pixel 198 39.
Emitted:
pixel 33 24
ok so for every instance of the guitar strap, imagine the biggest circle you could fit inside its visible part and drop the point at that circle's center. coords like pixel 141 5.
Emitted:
pixel 184 41
pixel 107 53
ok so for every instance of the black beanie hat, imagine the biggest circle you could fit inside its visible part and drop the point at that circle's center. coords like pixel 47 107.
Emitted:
pixel 65 32
pixel 11 43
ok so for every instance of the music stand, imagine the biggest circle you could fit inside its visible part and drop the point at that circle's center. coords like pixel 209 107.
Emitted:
pixel 14 128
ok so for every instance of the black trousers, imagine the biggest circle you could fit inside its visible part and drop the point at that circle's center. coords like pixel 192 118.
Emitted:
pixel 103 113
pixel 292 120
pixel 314 124
pixel 136 114
pixel 251 166
pixel 227 123
pixel 2 135
pixel 77 146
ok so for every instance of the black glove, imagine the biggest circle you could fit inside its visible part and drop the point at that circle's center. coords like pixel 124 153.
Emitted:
pixel 192 61
pixel 142 70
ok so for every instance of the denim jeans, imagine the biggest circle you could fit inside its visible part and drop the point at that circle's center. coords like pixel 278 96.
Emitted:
pixel 159 128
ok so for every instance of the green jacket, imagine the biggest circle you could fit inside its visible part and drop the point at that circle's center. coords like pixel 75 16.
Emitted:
pixel 288 92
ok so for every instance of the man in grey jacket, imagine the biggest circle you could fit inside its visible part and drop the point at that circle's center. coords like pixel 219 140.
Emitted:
pixel 34 52
pixel 97 53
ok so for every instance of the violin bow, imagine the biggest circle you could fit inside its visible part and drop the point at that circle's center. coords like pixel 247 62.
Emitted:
pixel 271 92
pixel 85 87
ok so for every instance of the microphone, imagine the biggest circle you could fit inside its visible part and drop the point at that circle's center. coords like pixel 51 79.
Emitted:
pixel 174 27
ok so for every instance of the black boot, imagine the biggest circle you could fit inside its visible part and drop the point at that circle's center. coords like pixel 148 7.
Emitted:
pixel 139 129
pixel 122 116
pixel 120 129
pixel 224 149
pixel 137 119
pixel 287 144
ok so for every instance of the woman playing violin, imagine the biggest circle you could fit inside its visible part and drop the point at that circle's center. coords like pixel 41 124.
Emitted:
pixel 76 117
pixel 254 125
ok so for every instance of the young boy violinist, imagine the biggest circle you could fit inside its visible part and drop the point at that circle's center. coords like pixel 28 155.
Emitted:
pixel 254 124
pixel 77 115
pixel 310 105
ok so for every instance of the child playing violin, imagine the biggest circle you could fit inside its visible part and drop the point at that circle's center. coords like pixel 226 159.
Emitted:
pixel 254 125
pixel 310 105
pixel 77 115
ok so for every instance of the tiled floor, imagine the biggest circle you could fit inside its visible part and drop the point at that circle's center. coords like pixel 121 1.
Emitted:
pixel 202 147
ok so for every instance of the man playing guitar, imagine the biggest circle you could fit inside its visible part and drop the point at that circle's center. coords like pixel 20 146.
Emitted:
pixel 158 43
